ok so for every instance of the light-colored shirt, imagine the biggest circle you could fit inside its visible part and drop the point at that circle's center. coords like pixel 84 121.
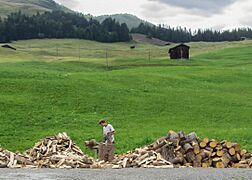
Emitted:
pixel 107 129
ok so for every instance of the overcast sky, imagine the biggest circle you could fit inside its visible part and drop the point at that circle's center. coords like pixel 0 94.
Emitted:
pixel 216 14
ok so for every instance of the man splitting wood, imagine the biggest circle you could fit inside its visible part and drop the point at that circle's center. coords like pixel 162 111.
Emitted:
pixel 106 149
pixel 108 132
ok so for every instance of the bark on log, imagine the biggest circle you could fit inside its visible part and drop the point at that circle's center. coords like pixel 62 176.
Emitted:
pixel 190 156
pixel 182 135
pixel 168 152
pixel 187 147
pixel 173 135
pixel 236 147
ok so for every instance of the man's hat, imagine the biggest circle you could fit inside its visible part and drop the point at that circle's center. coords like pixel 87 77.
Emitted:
pixel 102 121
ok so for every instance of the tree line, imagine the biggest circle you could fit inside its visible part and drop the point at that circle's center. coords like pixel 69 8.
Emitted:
pixel 186 35
pixel 59 24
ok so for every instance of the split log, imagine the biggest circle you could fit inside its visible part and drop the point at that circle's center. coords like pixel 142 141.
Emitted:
pixel 196 147
pixel 220 165
pixel 202 144
pixel 238 165
pixel 231 151
pixel 177 160
pixel 209 153
pixel 190 156
pixel 174 142
pixel 125 160
pixel 246 156
pixel 236 147
pixel 182 135
pixel 215 161
pixel 205 165
pixel 187 147
pixel 236 158
pixel 226 158
pixel 206 140
pixel 242 152
pixel 199 157
pixel 209 149
pixel 172 135
pixel 213 143
pixel 189 139
pixel 160 145
pixel 228 144
pixel 192 136
pixel 220 153
pixel 214 154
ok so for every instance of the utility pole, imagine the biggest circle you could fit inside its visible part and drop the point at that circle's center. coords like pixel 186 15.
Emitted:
pixel 107 63
pixel 57 51
pixel 149 55
pixel 79 52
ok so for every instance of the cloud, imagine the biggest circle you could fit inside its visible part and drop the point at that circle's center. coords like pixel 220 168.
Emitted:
pixel 246 20
pixel 156 11
pixel 200 7
pixel 174 16
pixel 68 3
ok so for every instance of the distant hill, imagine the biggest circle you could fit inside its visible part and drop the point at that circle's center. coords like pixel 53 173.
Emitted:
pixel 130 20
pixel 33 6
pixel 29 6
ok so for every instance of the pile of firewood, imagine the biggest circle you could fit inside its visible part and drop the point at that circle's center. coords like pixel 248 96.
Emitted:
pixel 173 150
pixel 181 150
pixel 52 152
pixel 141 157
pixel 188 151
pixel 58 152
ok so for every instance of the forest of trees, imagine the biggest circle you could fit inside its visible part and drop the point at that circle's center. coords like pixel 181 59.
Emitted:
pixel 58 24
pixel 184 35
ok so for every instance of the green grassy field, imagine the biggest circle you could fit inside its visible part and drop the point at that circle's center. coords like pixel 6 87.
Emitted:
pixel 50 86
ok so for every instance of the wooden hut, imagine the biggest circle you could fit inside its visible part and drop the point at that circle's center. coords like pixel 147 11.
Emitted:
pixel 179 52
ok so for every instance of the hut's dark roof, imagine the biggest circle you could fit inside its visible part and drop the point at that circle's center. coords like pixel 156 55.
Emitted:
pixel 178 46
pixel 8 46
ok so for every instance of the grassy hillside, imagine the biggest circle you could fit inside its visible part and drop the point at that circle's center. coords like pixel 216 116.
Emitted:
pixel 130 20
pixel 29 6
pixel 141 38
pixel 46 88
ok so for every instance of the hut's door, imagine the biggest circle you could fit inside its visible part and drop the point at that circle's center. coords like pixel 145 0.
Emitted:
pixel 181 53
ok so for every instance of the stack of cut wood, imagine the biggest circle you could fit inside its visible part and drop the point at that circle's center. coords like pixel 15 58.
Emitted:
pixel 52 152
pixel 13 160
pixel 58 152
pixel 141 157
pixel 188 150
